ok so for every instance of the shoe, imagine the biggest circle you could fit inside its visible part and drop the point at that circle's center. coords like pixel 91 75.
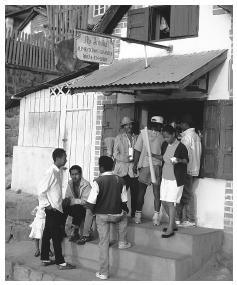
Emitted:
pixel 124 245
pixel 74 238
pixel 47 262
pixel 138 216
pixel 177 222
pixel 37 253
pixel 187 224
pixel 84 239
pixel 167 236
pixel 156 219
pixel 165 229
pixel 101 276
pixel 65 267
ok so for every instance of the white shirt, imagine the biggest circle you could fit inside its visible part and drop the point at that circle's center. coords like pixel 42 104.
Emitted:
pixel 95 191
pixel 50 189
pixel 193 144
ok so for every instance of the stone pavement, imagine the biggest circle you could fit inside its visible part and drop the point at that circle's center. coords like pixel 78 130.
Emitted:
pixel 22 265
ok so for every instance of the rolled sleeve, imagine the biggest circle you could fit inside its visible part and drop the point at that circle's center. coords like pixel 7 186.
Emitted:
pixel 93 193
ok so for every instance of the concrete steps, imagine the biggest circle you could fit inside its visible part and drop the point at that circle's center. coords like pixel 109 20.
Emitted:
pixel 200 243
pixel 150 258
pixel 137 262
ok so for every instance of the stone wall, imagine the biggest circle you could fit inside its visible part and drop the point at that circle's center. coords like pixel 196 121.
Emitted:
pixel 101 101
pixel 17 80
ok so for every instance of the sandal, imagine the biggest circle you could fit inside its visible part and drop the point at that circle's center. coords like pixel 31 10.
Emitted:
pixel 37 253
pixel 48 262
pixel 167 236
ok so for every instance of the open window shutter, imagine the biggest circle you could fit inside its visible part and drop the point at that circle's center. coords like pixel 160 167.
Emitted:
pixel 225 170
pixel 138 23
pixel 211 142
pixel 193 20
pixel 184 20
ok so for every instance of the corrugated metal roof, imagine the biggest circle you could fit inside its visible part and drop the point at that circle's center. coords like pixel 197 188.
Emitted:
pixel 160 70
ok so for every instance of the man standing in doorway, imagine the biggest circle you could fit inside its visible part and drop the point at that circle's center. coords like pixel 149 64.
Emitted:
pixel 123 155
pixel 141 163
pixel 185 210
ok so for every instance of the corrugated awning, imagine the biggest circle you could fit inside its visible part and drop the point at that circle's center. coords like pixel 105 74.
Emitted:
pixel 164 72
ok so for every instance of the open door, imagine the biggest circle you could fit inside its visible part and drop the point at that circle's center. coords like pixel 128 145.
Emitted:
pixel 112 116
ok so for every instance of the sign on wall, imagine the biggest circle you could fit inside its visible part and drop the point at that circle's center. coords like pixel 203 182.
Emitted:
pixel 94 48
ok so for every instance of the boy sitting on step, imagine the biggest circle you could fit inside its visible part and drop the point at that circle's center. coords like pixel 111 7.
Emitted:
pixel 108 199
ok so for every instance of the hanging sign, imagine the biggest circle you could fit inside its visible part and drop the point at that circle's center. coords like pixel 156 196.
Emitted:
pixel 94 48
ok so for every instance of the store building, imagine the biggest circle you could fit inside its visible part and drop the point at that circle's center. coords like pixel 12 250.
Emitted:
pixel 196 76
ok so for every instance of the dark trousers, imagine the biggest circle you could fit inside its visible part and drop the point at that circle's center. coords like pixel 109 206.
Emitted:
pixel 141 194
pixel 132 183
pixel 185 209
pixel 53 230
pixel 77 212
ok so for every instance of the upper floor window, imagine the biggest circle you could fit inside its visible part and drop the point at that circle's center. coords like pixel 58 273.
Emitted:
pixel 99 10
pixel 163 22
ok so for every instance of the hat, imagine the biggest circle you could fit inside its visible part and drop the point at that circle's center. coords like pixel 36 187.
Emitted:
pixel 125 121
pixel 157 119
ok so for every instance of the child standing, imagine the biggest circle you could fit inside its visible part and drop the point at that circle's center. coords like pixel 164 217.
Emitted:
pixel 108 199
pixel 37 228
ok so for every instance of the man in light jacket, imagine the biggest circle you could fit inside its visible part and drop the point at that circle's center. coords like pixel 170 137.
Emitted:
pixel 74 205
pixel 123 155
pixel 185 210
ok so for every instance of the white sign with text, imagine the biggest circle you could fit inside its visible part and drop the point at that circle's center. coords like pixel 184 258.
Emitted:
pixel 94 48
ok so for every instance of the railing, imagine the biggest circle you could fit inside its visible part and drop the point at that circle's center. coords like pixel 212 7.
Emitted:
pixel 33 51
pixel 38 51
pixel 63 19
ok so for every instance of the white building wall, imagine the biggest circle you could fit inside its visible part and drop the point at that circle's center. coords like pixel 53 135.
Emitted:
pixel 40 134
pixel 213 34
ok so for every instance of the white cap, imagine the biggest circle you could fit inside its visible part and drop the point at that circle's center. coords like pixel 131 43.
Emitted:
pixel 157 119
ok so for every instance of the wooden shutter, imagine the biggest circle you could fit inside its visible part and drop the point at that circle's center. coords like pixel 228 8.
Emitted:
pixel 218 140
pixel 138 24
pixel 211 142
pixel 184 20
pixel 225 170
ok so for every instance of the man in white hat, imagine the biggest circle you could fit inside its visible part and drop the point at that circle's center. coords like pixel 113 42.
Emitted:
pixel 123 155
pixel 141 163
